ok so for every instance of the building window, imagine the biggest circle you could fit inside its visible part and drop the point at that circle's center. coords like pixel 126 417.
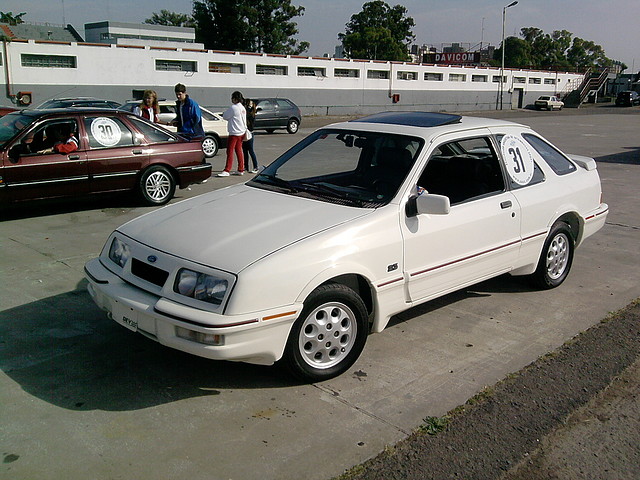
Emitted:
pixel 457 77
pixel 496 79
pixel 48 61
pixel 479 78
pixel 271 70
pixel 176 66
pixel 311 72
pixel 433 77
pixel 535 80
pixel 519 80
pixel 217 67
pixel 549 81
pixel 407 75
pixel 378 74
pixel 346 72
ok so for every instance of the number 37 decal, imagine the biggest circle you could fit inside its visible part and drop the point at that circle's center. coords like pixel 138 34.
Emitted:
pixel 518 159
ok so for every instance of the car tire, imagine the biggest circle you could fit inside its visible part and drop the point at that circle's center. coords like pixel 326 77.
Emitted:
pixel 157 185
pixel 556 257
pixel 210 146
pixel 329 335
pixel 292 126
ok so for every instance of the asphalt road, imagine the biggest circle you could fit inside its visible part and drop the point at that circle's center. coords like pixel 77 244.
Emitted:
pixel 83 398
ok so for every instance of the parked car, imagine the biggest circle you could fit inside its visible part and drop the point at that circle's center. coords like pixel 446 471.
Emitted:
pixel 277 113
pixel 548 102
pixel 356 223
pixel 215 127
pixel 628 98
pixel 116 151
pixel 78 102
pixel 5 110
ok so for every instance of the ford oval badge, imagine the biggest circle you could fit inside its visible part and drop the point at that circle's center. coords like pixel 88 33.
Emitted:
pixel 152 258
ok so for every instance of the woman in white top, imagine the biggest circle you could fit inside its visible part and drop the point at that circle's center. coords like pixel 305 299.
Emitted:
pixel 149 107
pixel 236 117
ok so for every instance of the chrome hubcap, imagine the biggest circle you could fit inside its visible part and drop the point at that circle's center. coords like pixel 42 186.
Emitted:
pixel 208 147
pixel 557 256
pixel 327 335
pixel 157 186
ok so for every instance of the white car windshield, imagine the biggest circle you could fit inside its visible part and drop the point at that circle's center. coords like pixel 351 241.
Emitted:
pixel 355 168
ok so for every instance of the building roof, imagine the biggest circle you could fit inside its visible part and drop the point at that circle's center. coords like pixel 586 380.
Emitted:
pixel 45 31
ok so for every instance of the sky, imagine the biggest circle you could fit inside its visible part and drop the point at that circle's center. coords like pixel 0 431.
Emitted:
pixel 613 24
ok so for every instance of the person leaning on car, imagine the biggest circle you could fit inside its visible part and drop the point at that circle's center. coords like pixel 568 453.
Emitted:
pixel 188 119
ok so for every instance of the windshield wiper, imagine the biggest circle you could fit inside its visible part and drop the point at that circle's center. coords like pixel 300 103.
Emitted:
pixel 337 193
pixel 323 187
pixel 273 180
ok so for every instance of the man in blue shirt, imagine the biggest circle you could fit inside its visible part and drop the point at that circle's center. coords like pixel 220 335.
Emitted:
pixel 189 119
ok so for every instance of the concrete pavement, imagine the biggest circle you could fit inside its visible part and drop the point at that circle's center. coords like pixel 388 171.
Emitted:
pixel 82 398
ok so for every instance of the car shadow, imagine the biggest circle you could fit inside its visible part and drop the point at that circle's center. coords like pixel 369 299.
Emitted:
pixel 57 206
pixel 502 284
pixel 630 157
pixel 63 350
pixel 116 201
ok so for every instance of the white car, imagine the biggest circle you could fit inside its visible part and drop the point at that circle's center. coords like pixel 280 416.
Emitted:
pixel 548 102
pixel 356 223
pixel 215 127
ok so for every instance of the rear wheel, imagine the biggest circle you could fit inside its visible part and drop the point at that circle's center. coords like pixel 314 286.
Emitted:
pixel 210 146
pixel 329 335
pixel 157 185
pixel 292 126
pixel 556 257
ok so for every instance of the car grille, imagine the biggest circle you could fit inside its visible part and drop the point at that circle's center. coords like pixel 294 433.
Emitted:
pixel 148 272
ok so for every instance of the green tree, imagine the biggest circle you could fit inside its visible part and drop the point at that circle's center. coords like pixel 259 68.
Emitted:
pixel 585 54
pixel 11 19
pixel 173 19
pixel 378 32
pixel 554 51
pixel 248 25
pixel 517 53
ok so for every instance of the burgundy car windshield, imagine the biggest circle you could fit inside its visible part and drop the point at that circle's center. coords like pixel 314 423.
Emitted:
pixel 11 124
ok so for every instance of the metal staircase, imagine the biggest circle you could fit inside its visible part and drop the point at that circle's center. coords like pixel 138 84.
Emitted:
pixel 593 82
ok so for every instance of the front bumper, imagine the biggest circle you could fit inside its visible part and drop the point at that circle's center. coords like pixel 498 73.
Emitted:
pixel 258 337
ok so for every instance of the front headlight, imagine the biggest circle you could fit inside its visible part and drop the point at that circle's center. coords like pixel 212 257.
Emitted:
pixel 201 286
pixel 119 252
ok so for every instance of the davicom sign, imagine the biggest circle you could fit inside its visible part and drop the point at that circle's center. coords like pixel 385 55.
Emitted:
pixel 457 58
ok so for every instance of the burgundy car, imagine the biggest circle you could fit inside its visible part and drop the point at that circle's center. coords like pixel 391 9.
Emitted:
pixel 116 151
pixel 5 110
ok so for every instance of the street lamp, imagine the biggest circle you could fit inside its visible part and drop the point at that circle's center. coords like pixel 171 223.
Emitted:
pixel 504 15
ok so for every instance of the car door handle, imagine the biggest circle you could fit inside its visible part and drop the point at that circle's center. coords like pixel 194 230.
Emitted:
pixel 74 157
pixel 137 152
pixel 506 204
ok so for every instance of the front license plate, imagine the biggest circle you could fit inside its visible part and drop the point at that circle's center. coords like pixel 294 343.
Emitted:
pixel 126 317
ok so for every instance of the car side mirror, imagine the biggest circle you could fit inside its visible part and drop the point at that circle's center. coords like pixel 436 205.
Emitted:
pixel 16 151
pixel 428 203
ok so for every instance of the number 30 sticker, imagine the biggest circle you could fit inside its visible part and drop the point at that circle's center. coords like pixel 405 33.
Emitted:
pixel 106 132
pixel 518 159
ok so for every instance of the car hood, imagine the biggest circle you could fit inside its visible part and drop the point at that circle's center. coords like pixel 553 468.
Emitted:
pixel 233 227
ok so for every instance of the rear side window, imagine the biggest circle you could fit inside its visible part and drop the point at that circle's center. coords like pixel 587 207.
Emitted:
pixel 560 164
pixel 151 133
pixel 106 131
pixel 538 175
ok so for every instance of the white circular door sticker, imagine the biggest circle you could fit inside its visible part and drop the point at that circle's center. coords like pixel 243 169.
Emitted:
pixel 106 132
pixel 517 158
